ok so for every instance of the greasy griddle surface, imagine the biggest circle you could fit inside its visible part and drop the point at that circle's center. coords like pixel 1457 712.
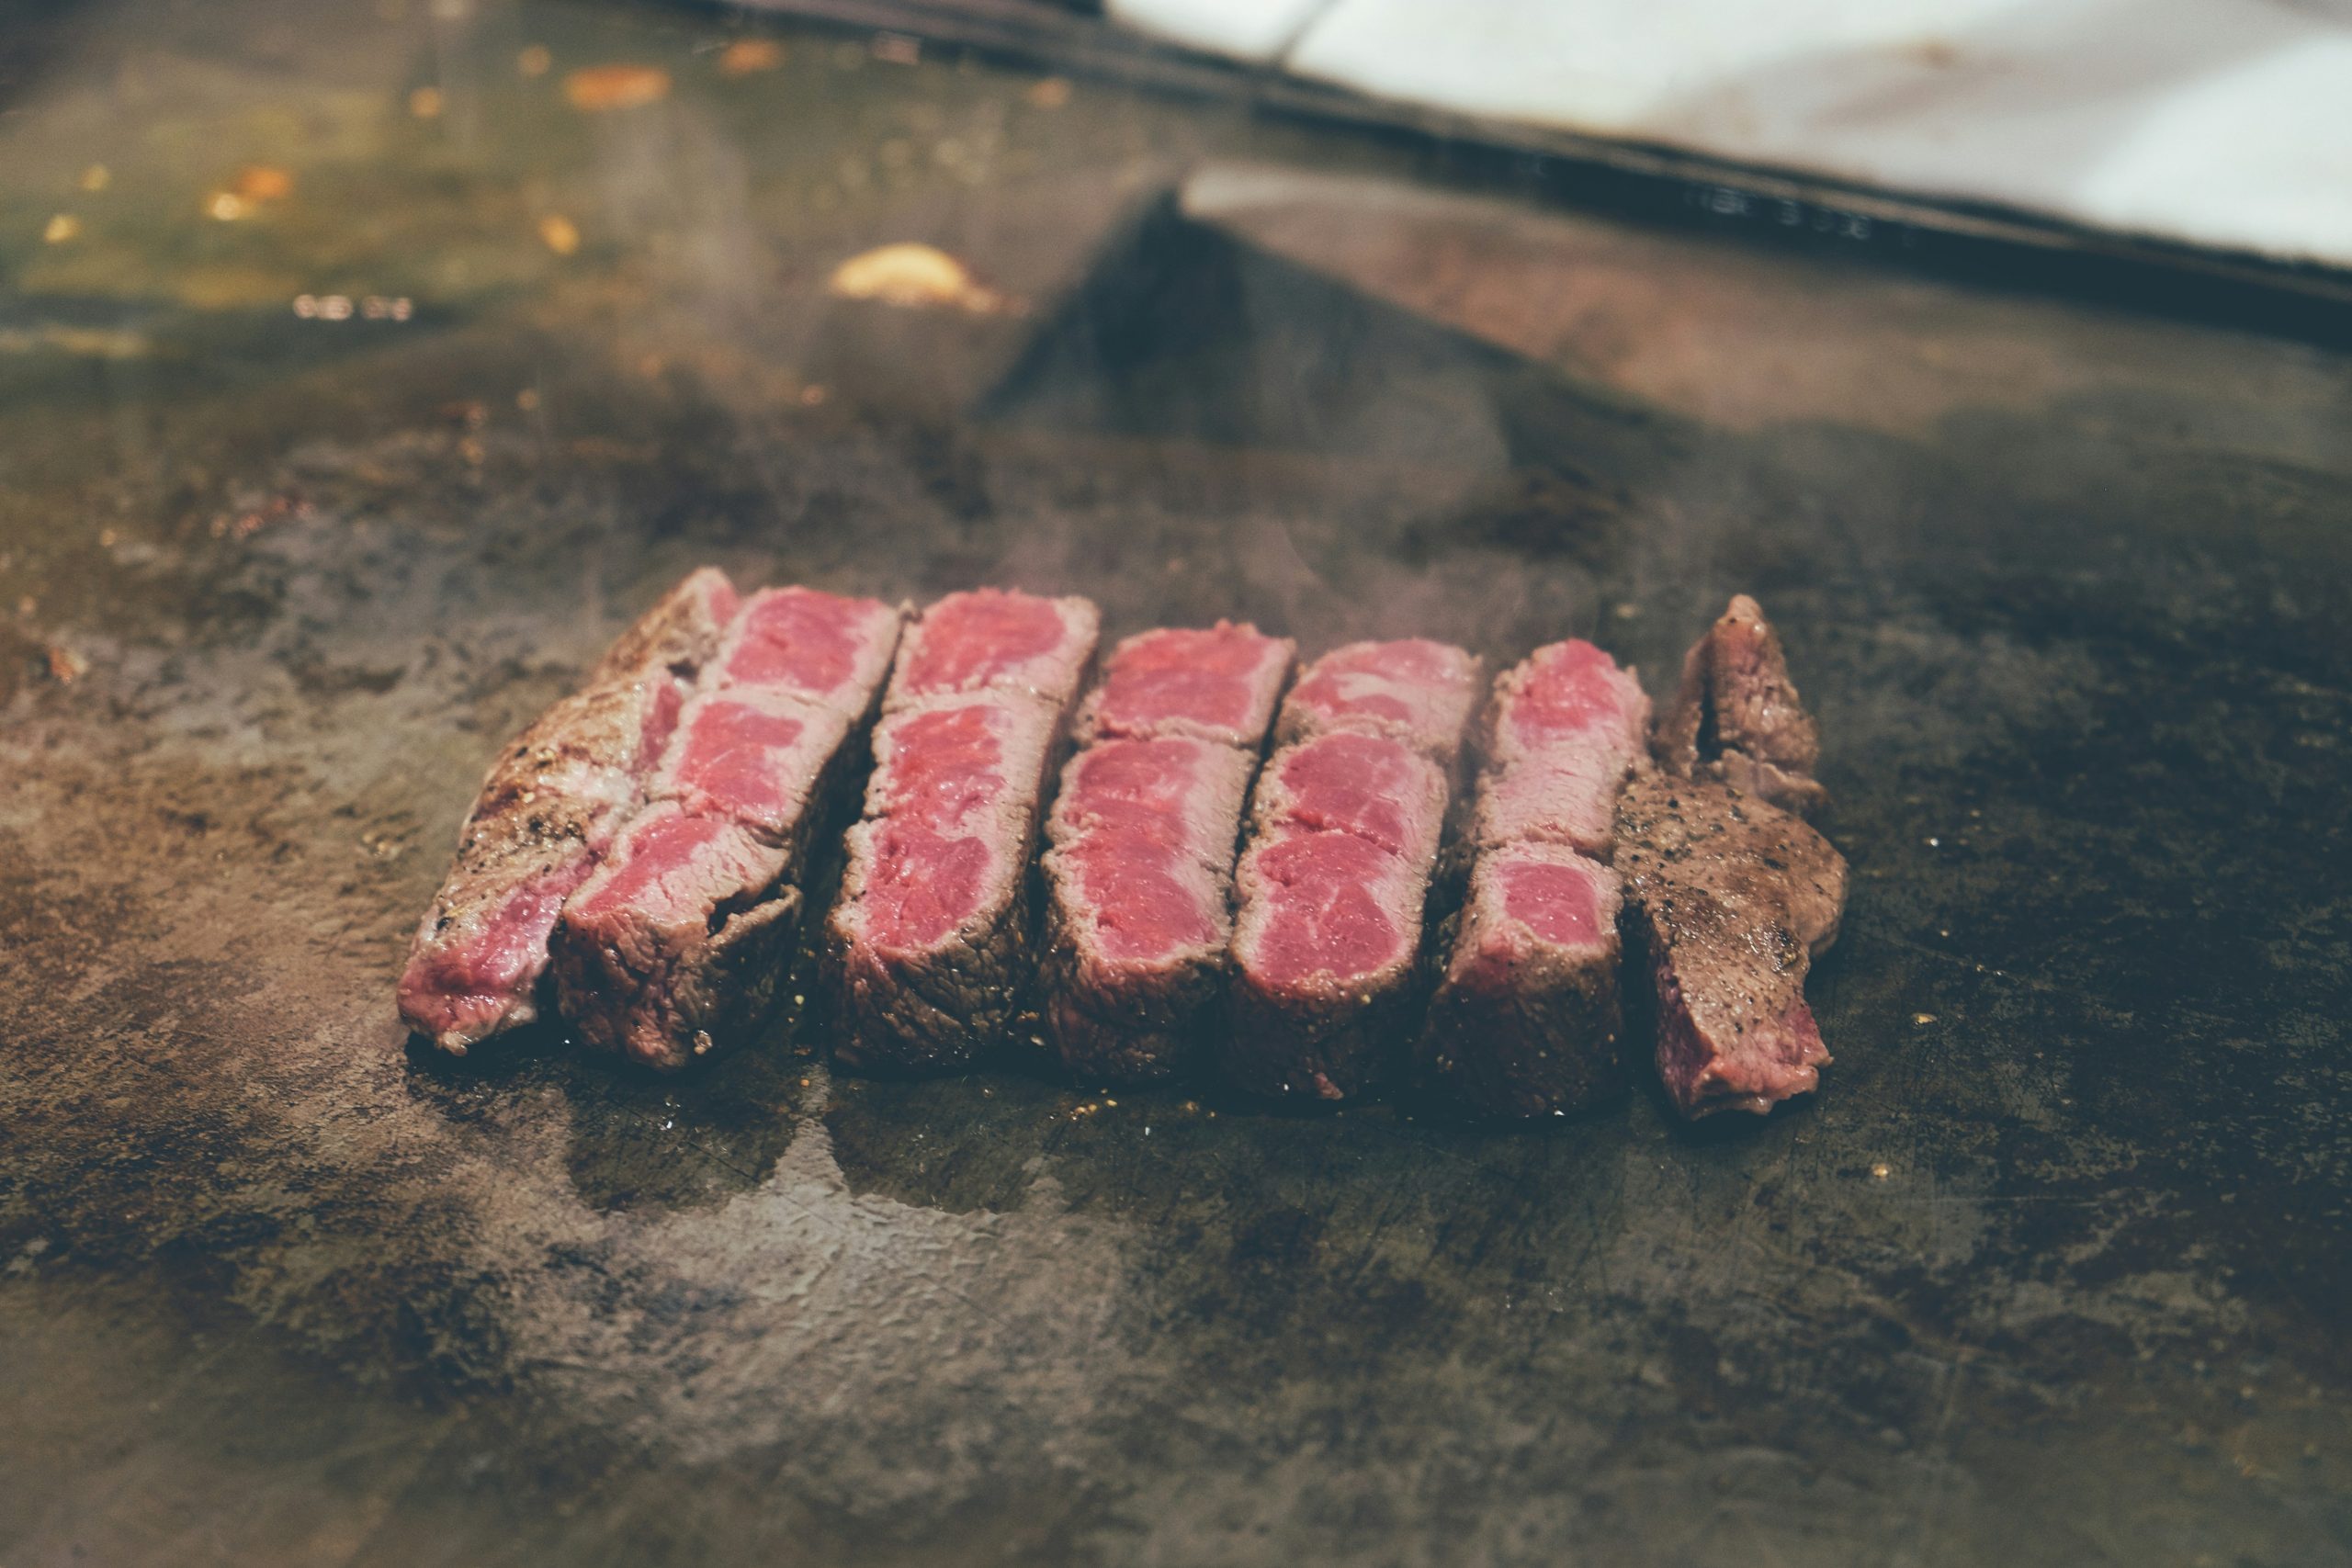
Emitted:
pixel 2044 1275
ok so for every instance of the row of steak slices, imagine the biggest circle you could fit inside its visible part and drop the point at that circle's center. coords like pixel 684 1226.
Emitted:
pixel 640 855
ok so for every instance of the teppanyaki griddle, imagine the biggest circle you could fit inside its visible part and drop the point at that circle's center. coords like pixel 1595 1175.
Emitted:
pixel 2046 1273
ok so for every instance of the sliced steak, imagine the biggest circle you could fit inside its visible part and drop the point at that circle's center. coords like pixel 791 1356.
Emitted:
pixel 1419 692
pixel 1728 899
pixel 1137 884
pixel 1345 826
pixel 1565 729
pixel 1140 878
pixel 928 936
pixel 1737 717
pixel 928 939
pixel 1526 1020
pixel 550 807
pixel 1219 683
pixel 1325 948
pixel 991 641
pixel 678 942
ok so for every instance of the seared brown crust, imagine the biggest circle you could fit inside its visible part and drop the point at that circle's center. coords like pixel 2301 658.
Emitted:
pixel 1548 1044
pixel 1727 899
pixel 1533 1030
pixel 678 633
pixel 1334 1045
pixel 1736 716
pixel 681 993
pixel 578 764
pixel 934 1013
pixel 1126 1023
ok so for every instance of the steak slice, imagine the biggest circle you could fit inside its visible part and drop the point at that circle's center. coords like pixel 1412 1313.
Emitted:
pixel 1137 884
pixel 989 639
pixel 1526 1018
pixel 929 933
pixel 1216 683
pixel 1728 899
pixel 1736 716
pixel 678 939
pixel 677 942
pixel 1419 692
pixel 1345 826
pixel 927 942
pixel 549 809
pixel 1139 877
pixel 1566 728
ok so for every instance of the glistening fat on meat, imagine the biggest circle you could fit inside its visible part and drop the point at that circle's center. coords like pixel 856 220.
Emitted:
pixel 929 939
pixel 1526 1018
pixel 548 811
pixel 1345 826
pixel 679 940
pixel 1139 875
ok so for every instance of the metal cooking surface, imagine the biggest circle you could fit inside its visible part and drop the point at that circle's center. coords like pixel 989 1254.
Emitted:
pixel 2051 1272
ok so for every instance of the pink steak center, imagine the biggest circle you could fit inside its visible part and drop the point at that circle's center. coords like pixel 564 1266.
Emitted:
pixel 654 854
pixel 921 885
pixel 1355 784
pixel 1578 688
pixel 1381 679
pixel 945 765
pixel 1327 920
pixel 1206 676
pixel 799 639
pixel 1557 902
pixel 1137 786
pixel 730 754
pixel 969 638
pixel 1141 908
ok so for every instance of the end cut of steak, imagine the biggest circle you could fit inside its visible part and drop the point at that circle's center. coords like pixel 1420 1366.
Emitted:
pixel 1728 900
pixel 1526 1018
pixel 1737 717
pixel 1419 692
pixel 928 941
pixel 547 810
pixel 1566 728
pixel 677 943
pixel 1140 872
pixel 1344 832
